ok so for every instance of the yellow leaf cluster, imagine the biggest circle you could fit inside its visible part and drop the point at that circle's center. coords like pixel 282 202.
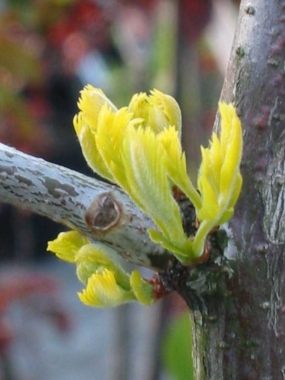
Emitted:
pixel 138 147
pixel 129 146
pixel 219 179
pixel 107 284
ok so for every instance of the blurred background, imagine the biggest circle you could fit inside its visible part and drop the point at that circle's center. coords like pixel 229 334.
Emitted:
pixel 50 49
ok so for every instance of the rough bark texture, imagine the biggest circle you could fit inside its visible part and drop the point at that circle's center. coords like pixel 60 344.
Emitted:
pixel 239 332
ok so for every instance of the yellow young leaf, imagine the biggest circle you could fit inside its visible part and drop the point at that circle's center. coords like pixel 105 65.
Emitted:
pixel 219 180
pixel 91 102
pixel 103 291
pixel 148 183
pixel 149 187
pixel 169 107
pixel 182 249
pixel 152 117
pixel 67 244
pixel 175 164
pixel 142 289
pixel 210 207
pixel 215 162
pixel 230 166
pixel 205 166
pixel 109 141
pixel 96 257
pixel 158 111
pixel 236 191
pixel 89 147
pixel 227 113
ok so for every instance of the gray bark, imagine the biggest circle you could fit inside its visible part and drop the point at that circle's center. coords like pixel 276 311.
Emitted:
pixel 99 210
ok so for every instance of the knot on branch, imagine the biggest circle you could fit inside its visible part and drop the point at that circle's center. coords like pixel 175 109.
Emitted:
pixel 104 213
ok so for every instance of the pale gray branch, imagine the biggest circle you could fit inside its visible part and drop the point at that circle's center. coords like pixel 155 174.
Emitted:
pixel 101 211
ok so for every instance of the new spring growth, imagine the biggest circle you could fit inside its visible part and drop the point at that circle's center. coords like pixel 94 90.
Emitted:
pixel 107 285
pixel 138 147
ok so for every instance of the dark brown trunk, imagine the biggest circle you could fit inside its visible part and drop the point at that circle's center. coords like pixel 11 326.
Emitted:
pixel 239 329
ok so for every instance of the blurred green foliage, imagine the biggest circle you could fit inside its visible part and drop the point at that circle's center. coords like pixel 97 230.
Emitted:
pixel 177 348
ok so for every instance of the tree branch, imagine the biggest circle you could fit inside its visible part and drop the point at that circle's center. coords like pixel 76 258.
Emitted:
pixel 99 210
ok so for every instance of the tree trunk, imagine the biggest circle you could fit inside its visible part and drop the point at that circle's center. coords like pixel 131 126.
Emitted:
pixel 238 333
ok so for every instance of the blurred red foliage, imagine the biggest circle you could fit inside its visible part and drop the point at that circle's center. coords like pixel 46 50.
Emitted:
pixel 19 287
pixel 193 17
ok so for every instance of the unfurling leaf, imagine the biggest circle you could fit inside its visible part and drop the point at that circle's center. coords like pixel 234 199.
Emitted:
pixel 107 284
pixel 219 180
